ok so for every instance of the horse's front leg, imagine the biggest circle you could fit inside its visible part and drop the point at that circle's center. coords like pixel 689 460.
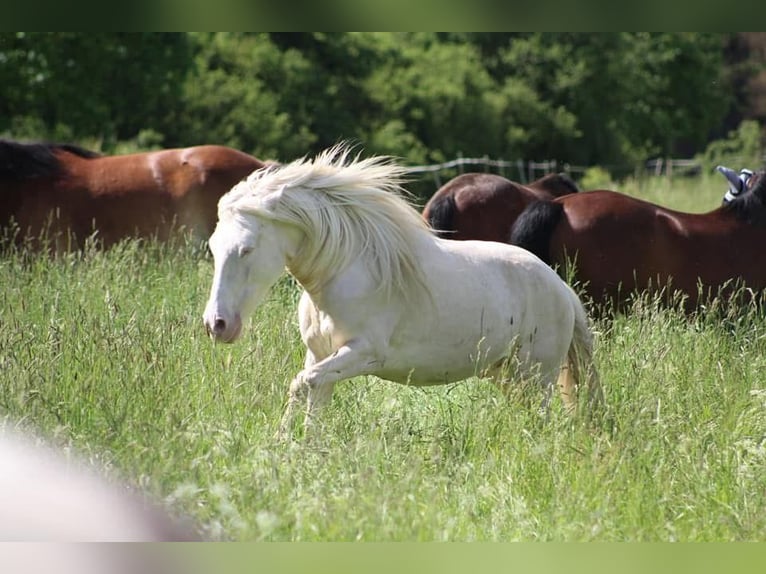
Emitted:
pixel 313 397
pixel 295 396
pixel 317 381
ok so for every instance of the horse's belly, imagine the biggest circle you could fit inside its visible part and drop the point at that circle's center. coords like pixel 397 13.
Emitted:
pixel 423 377
pixel 440 363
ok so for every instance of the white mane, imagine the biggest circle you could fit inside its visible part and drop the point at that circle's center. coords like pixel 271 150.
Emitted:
pixel 348 209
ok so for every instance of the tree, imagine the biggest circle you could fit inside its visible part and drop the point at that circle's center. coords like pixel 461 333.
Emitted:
pixel 632 95
pixel 69 85
pixel 437 97
pixel 609 99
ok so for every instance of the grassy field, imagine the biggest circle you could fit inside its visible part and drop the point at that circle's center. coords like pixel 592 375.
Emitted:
pixel 106 352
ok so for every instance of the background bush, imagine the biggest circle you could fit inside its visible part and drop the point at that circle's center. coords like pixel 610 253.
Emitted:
pixel 608 99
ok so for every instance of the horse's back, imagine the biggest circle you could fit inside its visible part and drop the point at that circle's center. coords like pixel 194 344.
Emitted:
pixel 494 273
pixel 452 206
pixel 214 170
pixel 527 299
pixel 477 206
pixel 174 171
pixel 592 216
pixel 620 244
pixel 146 194
pixel 224 158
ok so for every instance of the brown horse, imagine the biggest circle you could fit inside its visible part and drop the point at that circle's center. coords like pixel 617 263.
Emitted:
pixel 621 245
pixel 68 194
pixel 484 205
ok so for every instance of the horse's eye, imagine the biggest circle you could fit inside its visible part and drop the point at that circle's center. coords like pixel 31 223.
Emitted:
pixel 244 251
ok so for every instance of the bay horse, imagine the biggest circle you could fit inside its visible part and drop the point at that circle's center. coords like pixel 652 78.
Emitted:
pixel 620 245
pixel 68 193
pixel 484 205
pixel 382 295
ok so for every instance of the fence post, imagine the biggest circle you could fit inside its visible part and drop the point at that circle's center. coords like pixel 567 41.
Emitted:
pixel 520 167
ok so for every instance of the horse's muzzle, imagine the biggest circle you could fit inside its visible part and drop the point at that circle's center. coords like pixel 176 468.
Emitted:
pixel 222 330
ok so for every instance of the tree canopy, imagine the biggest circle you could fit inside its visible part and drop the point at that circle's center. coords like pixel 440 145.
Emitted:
pixel 605 98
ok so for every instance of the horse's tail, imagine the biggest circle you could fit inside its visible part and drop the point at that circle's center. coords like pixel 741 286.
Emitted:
pixel 533 229
pixel 580 370
pixel 440 215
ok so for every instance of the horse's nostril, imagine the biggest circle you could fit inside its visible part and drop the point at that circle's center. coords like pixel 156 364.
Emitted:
pixel 219 326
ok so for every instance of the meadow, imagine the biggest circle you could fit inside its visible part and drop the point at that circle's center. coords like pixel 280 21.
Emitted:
pixel 105 352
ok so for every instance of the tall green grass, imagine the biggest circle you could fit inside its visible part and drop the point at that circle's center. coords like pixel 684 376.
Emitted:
pixel 690 194
pixel 105 351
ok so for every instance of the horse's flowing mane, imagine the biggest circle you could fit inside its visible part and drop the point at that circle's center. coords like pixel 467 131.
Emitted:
pixel 348 209
pixel 750 207
pixel 27 160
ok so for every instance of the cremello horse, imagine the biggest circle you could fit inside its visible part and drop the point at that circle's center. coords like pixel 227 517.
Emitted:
pixel 382 294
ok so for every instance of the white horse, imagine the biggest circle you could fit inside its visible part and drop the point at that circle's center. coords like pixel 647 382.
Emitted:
pixel 382 294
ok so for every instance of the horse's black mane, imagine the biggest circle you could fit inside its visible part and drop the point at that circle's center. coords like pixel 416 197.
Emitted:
pixel 564 180
pixel 750 207
pixel 27 160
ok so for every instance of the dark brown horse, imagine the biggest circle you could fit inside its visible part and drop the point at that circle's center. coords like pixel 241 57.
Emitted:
pixel 68 193
pixel 484 205
pixel 621 245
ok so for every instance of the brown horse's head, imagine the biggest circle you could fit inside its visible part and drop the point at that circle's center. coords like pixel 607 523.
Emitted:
pixel 738 182
pixel 749 204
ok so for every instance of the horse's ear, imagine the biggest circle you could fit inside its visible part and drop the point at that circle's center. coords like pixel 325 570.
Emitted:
pixel 271 199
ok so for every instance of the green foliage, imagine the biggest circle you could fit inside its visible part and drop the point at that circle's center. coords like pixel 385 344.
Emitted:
pixel 237 96
pixel 596 178
pixel 605 99
pixel 67 85
pixel 439 93
pixel 625 96
pixel 742 148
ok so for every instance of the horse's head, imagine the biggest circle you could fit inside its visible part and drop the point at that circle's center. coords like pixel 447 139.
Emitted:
pixel 738 182
pixel 249 255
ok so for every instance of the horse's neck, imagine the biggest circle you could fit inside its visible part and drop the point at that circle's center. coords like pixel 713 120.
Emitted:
pixel 290 242
pixel 357 280
pixel 353 282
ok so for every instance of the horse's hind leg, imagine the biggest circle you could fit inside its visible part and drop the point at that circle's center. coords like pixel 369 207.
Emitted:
pixel 567 386
pixel 525 381
pixel 515 381
pixel 548 381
